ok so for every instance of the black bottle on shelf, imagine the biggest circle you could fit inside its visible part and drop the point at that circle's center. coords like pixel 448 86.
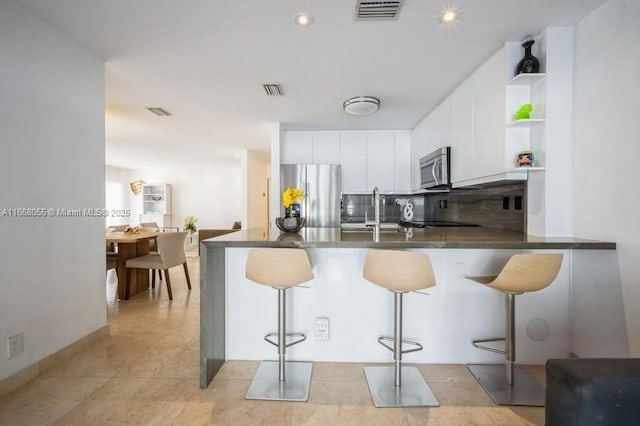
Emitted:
pixel 528 63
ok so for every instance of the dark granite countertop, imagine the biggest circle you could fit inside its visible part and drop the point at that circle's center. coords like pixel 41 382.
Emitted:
pixel 445 237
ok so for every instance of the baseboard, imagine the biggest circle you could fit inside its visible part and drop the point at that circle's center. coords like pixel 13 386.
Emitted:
pixel 31 372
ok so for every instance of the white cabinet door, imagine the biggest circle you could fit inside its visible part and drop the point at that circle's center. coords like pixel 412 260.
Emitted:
pixel 353 157
pixel 418 150
pixel 488 116
pixel 438 126
pixel 380 167
pixel 403 162
pixel 297 148
pixel 326 148
pixel 462 132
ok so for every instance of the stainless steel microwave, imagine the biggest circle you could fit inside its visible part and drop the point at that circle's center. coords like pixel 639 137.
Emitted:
pixel 435 169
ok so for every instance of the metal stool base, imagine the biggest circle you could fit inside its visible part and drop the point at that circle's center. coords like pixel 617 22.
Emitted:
pixel 414 391
pixel 266 384
pixel 525 389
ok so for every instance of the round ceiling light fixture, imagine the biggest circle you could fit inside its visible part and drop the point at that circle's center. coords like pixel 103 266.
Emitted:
pixel 361 105
pixel 303 19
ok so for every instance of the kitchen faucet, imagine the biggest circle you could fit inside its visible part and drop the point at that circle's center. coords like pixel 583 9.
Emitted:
pixel 375 202
pixel 375 223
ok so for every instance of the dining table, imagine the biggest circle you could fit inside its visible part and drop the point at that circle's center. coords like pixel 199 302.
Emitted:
pixel 130 245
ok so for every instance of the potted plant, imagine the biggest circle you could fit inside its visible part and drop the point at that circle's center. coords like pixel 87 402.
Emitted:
pixel 190 224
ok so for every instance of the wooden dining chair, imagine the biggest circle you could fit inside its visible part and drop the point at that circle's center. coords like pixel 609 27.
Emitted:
pixel 170 254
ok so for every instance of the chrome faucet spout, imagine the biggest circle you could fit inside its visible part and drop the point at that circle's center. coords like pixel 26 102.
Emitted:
pixel 375 201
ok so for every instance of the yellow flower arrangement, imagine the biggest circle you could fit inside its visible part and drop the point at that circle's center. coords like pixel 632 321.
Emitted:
pixel 190 224
pixel 291 196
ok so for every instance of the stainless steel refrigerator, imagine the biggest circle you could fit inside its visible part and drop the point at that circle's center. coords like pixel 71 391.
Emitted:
pixel 322 185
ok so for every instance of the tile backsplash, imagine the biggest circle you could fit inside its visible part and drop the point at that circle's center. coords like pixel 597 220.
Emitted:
pixel 356 207
pixel 502 206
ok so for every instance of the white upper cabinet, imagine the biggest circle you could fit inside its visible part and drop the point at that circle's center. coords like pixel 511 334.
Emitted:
pixel 297 148
pixel 430 134
pixel 368 158
pixel 488 116
pixel 462 132
pixel 326 148
pixel 380 161
pixel 403 162
pixel 353 157
pixel 471 120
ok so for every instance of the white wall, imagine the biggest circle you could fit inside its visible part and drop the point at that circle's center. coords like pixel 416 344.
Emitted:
pixel 52 272
pixel 257 172
pixel 117 194
pixel 213 194
pixel 606 145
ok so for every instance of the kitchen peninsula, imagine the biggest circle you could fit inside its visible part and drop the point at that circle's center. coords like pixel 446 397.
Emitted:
pixel 236 314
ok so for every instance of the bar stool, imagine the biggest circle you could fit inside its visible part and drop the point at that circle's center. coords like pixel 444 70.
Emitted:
pixel 281 269
pixel 523 273
pixel 399 272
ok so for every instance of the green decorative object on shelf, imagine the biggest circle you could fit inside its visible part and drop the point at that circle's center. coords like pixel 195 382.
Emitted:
pixel 524 113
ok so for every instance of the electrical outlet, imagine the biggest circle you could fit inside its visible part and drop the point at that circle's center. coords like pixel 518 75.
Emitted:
pixel 461 270
pixel 15 345
pixel 322 328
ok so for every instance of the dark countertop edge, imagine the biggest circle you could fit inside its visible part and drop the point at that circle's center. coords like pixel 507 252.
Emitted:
pixel 541 245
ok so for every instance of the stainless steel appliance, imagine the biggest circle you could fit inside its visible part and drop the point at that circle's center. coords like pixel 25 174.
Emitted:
pixel 322 185
pixel 435 169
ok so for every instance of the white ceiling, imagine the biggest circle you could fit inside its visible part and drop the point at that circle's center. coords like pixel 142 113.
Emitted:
pixel 205 62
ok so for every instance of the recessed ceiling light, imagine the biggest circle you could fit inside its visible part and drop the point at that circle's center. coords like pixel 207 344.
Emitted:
pixel 303 19
pixel 449 16
pixel 361 105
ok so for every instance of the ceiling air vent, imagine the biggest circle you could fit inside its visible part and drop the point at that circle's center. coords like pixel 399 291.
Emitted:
pixel 273 89
pixel 160 112
pixel 377 10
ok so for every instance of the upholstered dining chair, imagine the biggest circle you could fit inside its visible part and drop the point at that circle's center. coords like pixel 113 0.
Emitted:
pixel 153 247
pixel 170 254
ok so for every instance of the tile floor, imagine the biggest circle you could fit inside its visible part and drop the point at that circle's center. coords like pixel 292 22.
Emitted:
pixel 146 372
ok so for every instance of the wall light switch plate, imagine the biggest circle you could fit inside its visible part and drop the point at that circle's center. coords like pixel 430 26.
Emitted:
pixel 322 328
pixel 15 345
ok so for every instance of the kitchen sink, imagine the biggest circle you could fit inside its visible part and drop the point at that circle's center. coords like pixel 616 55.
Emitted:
pixel 385 228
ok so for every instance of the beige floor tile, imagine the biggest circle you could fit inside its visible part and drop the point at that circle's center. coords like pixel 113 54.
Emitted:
pixel 461 394
pixel 459 416
pixel 46 400
pixel 316 414
pixel 338 371
pixel 446 373
pixel 351 393
pixel 104 358
pixel 134 401
pixel 195 414
pixel 537 372
pixel 238 370
pixel 168 357
pixel 535 415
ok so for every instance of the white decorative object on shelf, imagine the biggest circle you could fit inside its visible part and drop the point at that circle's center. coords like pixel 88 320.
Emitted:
pixel 526 79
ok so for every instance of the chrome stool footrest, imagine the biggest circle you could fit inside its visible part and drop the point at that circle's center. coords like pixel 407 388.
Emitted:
pixel 302 338
pixel 477 343
pixel 418 347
